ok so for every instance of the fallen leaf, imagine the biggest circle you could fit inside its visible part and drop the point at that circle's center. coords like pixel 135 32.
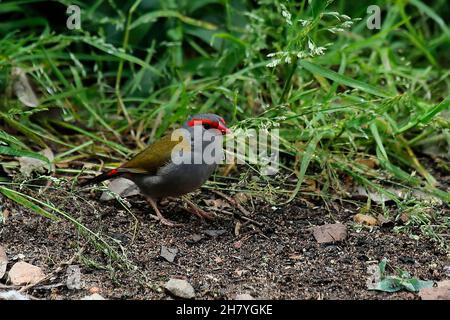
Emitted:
pixel 404 217
pixel 365 219
pixel 29 165
pixel 3 262
pixel 309 185
pixel 330 233
pixel 241 197
pixel 4 217
pixel 371 163
pixel 23 89
pixel 237 228
pixel 403 281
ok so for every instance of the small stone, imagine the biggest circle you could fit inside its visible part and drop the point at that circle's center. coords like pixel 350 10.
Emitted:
pixel 244 296
pixel 180 288
pixel 23 273
pixel 168 254
pixel 447 271
pixel 441 292
pixel 330 233
pixel 94 296
pixel 12 295
pixel 365 219
pixel 93 290
pixel 73 281
pixel 194 238
pixel 3 262
pixel 215 233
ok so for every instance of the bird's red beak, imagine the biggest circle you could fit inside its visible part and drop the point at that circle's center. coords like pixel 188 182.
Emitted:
pixel 223 129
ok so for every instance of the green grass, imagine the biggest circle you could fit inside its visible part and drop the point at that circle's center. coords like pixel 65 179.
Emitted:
pixel 136 69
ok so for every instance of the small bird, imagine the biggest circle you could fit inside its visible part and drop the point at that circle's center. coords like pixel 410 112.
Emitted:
pixel 158 176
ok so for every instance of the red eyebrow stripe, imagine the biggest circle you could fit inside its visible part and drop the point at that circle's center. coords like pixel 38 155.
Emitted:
pixel 203 121
pixel 112 172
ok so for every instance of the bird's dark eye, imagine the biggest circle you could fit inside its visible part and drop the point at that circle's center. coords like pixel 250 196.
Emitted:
pixel 206 126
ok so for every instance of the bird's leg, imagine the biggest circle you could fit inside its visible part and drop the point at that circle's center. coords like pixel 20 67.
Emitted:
pixel 197 211
pixel 160 216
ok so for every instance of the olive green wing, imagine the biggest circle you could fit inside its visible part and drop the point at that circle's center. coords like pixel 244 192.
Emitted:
pixel 155 156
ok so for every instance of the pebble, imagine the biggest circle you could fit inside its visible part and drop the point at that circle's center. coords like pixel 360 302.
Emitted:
pixel 23 273
pixel 94 296
pixel 168 254
pixel 180 288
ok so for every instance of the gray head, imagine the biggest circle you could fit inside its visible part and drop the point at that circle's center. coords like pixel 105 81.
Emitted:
pixel 207 121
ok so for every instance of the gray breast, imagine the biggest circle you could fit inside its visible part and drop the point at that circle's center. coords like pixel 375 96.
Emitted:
pixel 176 179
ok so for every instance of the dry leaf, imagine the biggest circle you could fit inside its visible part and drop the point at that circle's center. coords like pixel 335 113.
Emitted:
pixel 29 165
pixel 3 262
pixel 237 228
pixel 330 233
pixel 371 163
pixel 23 89
pixel 217 203
pixel 365 219
pixel 241 197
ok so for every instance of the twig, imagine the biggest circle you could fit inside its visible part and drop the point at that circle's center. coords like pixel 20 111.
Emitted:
pixel 232 201
pixel 259 224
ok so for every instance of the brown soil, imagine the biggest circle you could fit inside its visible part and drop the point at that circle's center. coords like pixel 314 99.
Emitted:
pixel 279 260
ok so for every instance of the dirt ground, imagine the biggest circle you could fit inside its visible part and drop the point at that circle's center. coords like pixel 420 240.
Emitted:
pixel 280 259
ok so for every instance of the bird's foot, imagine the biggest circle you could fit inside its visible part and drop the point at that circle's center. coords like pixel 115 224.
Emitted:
pixel 160 217
pixel 193 208
pixel 166 222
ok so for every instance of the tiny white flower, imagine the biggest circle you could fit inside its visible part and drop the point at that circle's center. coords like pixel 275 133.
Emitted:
pixel 286 14
pixel 273 63
pixel 303 22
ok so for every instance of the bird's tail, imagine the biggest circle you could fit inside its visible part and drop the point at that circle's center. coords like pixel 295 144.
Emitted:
pixel 101 177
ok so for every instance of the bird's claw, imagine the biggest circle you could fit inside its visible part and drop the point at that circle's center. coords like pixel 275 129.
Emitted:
pixel 167 222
